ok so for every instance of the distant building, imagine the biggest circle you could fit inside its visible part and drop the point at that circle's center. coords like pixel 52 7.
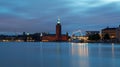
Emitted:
pixel 56 37
pixel 88 33
pixel 110 31
pixel 118 33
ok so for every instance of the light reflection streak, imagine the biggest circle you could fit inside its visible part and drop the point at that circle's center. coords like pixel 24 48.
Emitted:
pixel 80 55
pixel 80 48
pixel 113 54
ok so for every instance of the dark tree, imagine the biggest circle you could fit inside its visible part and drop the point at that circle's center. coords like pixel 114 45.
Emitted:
pixel 106 37
pixel 97 37
pixel 94 37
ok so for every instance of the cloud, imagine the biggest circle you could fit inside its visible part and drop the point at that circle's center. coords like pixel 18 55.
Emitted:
pixel 41 15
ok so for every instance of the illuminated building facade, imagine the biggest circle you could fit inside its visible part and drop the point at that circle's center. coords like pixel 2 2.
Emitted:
pixel 110 31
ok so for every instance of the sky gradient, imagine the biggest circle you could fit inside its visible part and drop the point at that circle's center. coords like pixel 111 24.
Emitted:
pixel 41 15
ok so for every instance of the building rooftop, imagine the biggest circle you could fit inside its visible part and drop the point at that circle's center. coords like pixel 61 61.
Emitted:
pixel 93 31
pixel 109 28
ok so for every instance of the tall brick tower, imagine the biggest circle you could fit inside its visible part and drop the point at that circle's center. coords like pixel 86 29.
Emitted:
pixel 58 30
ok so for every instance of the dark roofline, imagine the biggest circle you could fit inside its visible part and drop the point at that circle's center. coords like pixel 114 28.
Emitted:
pixel 92 31
pixel 109 28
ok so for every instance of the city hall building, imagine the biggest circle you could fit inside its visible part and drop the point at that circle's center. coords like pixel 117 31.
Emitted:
pixel 56 37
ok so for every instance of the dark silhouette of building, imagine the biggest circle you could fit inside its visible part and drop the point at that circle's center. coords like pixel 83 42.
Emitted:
pixel 118 33
pixel 89 33
pixel 56 37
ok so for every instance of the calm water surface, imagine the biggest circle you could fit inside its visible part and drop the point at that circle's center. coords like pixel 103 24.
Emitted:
pixel 53 54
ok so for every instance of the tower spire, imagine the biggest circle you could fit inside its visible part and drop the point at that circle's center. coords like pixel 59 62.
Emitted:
pixel 58 20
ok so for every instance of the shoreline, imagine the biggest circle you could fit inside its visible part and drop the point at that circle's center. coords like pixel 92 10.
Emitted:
pixel 56 42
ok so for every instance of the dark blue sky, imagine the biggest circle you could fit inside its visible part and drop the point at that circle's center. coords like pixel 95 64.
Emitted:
pixel 41 15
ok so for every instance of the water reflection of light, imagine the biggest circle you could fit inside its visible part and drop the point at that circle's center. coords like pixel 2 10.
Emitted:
pixel 80 55
pixel 80 49
pixel 113 50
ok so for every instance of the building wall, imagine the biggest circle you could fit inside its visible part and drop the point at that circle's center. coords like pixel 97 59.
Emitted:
pixel 64 38
pixel 118 34
pixel 112 33
pixel 49 38
pixel 53 38
pixel 58 31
